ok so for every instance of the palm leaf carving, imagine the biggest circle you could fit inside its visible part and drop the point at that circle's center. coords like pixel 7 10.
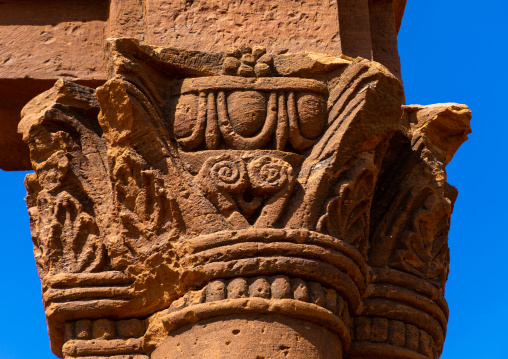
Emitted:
pixel 347 213
pixel 70 183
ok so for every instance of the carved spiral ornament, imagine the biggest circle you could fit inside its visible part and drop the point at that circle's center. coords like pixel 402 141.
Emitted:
pixel 228 173
pixel 269 175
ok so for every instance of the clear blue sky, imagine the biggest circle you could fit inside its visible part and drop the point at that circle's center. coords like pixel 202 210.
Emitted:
pixel 451 51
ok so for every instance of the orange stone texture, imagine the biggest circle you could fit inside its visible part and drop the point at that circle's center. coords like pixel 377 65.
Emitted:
pixel 228 179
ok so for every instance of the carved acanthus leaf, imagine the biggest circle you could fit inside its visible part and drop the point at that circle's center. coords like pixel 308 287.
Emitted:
pixel 149 179
pixel 347 213
pixel 424 246
pixel 413 202
pixel 70 185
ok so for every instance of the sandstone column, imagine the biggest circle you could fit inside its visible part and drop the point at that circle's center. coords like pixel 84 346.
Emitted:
pixel 239 187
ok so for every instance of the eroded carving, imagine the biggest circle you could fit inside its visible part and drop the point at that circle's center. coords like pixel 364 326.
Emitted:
pixel 240 184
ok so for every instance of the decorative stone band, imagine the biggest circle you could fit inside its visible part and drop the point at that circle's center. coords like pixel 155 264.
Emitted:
pixel 398 303
pixel 384 338
pixel 101 348
pixel 121 339
pixel 69 294
pixel 296 253
pixel 230 83
pixel 295 273
pixel 277 295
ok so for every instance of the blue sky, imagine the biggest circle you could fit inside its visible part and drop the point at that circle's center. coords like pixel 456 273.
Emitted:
pixel 451 51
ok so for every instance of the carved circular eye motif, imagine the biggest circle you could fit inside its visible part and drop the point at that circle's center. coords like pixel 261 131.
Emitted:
pixel 247 111
pixel 268 174
pixel 312 114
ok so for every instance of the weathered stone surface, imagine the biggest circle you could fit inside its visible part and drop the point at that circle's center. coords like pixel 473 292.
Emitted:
pixel 212 25
pixel 57 39
pixel 189 207
pixel 213 339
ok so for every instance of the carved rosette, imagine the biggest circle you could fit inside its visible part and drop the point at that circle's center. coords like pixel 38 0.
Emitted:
pixel 195 187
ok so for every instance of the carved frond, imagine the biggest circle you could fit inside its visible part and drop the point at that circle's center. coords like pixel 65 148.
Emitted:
pixel 424 242
pixel 355 126
pixel 69 190
pixel 413 203
pixel 347 212
pixel 149 180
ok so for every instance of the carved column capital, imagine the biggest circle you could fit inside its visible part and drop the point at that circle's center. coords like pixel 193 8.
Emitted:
pixel 194 189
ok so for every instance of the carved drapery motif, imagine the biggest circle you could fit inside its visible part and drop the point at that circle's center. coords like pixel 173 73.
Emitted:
pixel 251 116
pixel 204 187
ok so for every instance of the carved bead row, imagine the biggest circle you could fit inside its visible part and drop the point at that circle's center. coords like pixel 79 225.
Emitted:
pixel 86 329
pixel 273 287
pixel 396 333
